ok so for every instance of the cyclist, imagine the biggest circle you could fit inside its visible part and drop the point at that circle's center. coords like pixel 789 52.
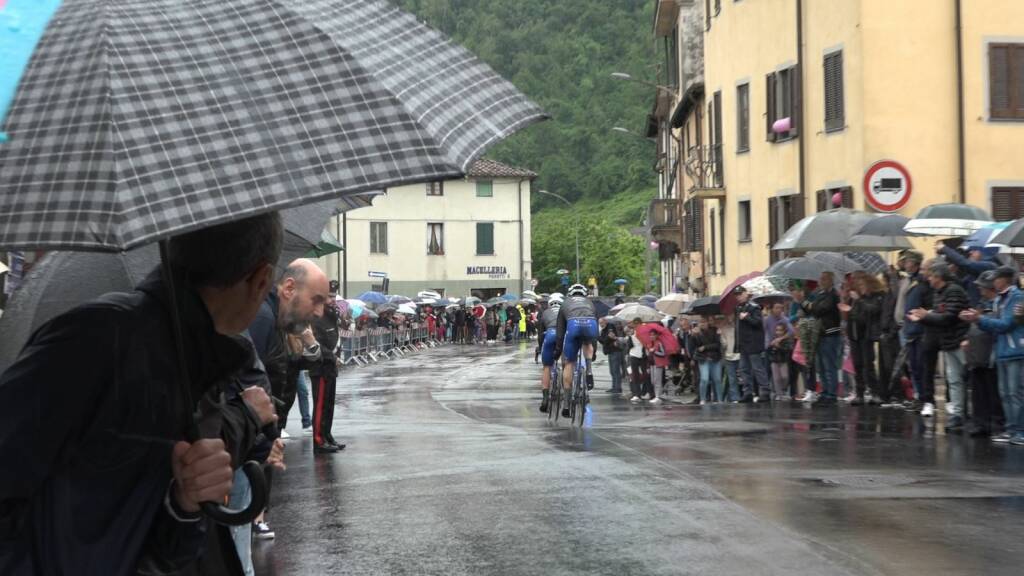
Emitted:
pixel 577 326
pixel 548 337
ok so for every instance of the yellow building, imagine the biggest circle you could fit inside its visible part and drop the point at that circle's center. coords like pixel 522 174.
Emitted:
pixel 800 98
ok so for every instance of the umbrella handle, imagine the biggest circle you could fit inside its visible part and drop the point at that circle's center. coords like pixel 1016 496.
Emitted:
pixel 228 517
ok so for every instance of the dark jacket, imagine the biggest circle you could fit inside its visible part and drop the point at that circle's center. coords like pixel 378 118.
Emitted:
pixel 824 305
pixel 609 339
pixel 970 269
pixel 269 342
pixel 711 343
pixel 919 295
pixel 85 387
pixel 944 318
pixel 749 331
pixel 325 330
pixel 887 322
pixel 781 353
pixel 865 320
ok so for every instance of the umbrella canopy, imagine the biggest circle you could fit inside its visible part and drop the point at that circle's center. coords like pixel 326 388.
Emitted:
pixel 327 245
pixel 479 311
pixel 399 299
pixel 363 312
pixel 425 301
pixel 647 300
pixel 706 306
pixel 375 298
pixel 509 297
pixel 617 308
pixel 646 332
pixel 772 298
pixel 727 301
pixel 886 225
pixel 527 301
pixel 353 302
pixel 385 308
pixel 848 262
pixel 443 302
pixel 634 310
pixel 407 309
pixel 531 294
pixel 620 281
pixel 672 304
pixel 561 271
pixel 471 301
pixel 836 230
pixel 614 320
pixel 762 285
pixel 496 300
pixel 213 111
pixel 980 239
pixel 601 308
pixel 1011 239
pixel 428 294
pixel 801 268
pixel 949 220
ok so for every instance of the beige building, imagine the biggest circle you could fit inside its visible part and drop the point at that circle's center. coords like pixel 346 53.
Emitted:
pixel 798 99
pixel 457 237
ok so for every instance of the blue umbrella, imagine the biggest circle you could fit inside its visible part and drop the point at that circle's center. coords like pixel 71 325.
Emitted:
pixel 647 300
pixel 373 298
pixel 398 300
pixel 980 239
pixel 620 281
pixel 510 298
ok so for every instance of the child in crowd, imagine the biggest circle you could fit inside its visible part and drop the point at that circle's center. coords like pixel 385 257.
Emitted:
pixel 780 350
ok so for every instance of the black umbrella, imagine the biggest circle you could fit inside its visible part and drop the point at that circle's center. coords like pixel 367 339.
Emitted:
pixel 801 268
pixel 601 307
pixel 1012 238
pixel 706 306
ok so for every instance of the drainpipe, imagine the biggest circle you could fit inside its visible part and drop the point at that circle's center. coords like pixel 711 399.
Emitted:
pixel 962 153
pixel 800 110
pixel 344 255
pixel 522 280
pixel 337 234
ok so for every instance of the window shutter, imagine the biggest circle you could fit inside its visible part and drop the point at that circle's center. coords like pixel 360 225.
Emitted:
pixel 1017 80
pixel 1007 204
pixel 484 238
pixel 796 210
pixel 773 221
pixel 795 95
pixel 847 196
pixel 834 97
pixel 770 107
pixel 822 200
pixel 999 80
pixel 698 215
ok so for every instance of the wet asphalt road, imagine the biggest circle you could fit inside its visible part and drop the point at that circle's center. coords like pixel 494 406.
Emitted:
pixel 450 469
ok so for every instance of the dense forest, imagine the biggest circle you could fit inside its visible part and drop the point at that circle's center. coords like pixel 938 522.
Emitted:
pixel 561 53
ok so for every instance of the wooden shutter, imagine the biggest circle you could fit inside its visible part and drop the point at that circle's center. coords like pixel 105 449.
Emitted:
pixel 834 98
pixel 1017 80
pixel 707 14
pixel 773 221
pixel 770 106
pixel 821 200
pixel 1001 102
pixel 484 238
pixel 847 192
pixel 1007 204
pixel 714 242
pixel 743 118
pixel 795 96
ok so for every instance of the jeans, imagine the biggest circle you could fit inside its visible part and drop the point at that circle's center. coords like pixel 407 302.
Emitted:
pixel 1011 392
pixel 711 373
pixel 863 352
pixel 657 380
pixel 239 498
pixel 827 361
pixel 304 391
pixel 914 362
pixel 731 371
pixel 753 365
pixel 615 367
pixel 954 361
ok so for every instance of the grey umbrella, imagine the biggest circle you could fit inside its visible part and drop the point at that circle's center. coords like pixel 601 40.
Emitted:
pixel 137 121
pixel 844 263
pixel 706 306
pixel 1011 239
pixel 801 268
pixel 886 225
pixel 836 231
pixel 949 220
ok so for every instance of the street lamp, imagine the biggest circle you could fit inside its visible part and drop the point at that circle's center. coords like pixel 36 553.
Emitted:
pixel 628 78
pixel 569 204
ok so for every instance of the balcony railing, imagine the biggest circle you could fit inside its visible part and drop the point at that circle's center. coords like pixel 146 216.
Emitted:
pixel 664 222
pixel 704 167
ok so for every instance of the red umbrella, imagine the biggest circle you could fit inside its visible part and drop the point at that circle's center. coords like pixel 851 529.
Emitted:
pixel 655 330
pixel 479 311
pixel 727 303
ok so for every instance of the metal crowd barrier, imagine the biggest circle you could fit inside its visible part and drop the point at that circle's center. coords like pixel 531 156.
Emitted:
pixel 362 347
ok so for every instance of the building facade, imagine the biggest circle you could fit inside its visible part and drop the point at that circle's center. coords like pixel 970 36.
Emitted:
pixel 799 99
pixel 457 237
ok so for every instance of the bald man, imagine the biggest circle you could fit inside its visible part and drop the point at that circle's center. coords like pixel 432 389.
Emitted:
pixel 296 300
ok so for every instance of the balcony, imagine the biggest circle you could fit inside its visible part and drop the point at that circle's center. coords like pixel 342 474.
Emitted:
pixel 705 169
pixel 663 220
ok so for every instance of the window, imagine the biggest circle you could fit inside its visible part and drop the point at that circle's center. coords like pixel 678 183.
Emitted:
pixel 835 113
pixel 714 242
pixel 825 198
pixel 721 235
pixel 744 220
pixel 715 140
pixel 783 95
pixel 484 188
pixel 435 188
pixel 435 239
pixel 671 45
pixel 378 237
pixel 1007 203
pixel 783 213
pixel 1006 81
pixel 484 238
pixel 743 118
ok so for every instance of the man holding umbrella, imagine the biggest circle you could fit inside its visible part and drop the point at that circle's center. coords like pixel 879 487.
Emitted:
pixel 749 326
pixel 95 479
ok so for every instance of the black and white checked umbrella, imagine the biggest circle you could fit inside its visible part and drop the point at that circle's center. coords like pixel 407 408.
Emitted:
pixel 137 120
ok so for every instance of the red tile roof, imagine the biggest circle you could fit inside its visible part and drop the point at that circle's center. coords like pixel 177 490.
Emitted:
pixel 485 168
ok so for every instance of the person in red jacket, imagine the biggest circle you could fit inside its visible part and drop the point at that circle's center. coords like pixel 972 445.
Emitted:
pixel 656 351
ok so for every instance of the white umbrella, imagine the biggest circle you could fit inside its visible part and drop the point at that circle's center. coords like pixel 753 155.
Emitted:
pixel 949 220
pixel 3 268
pixel 407 309
pixel 645 314
pixel 672 304
pixel 429 294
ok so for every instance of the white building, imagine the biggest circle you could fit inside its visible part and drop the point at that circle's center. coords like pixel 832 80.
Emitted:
pixel 457 237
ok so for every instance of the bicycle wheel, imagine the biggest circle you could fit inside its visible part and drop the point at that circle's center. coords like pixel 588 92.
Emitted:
pixel 583 394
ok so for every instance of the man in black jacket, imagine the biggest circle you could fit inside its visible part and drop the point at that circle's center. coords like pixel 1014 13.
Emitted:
pixel 749 326
pixel 950 299
pixel 324 375
pixel 823 304
pixel 97 479
pixel 612 346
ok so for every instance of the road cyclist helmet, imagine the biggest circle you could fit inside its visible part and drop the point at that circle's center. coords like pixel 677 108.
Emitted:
pixel 578 290
pixel 556 299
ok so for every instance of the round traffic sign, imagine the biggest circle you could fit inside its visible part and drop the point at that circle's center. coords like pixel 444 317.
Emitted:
pixel 887 186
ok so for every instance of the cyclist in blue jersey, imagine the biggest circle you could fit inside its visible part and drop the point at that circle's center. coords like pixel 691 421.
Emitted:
pixel 577 327
pixel 548 337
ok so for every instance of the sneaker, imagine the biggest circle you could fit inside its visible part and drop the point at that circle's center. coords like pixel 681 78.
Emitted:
pixel 590 381
pixel 809 396
pixel 976 431
pixel 1017 440
pixel 825 401
pixel 655 401
pixel 285 435
pixel 851 398
pixel 307 431
pixel 703 402
pixel 955 424
pixel 914 405
pixel 927 410
pixel 893 406
pixel 544 405
pixel 857 401
pixel 949 408
pixel 262 531
pixel 746 400
pixel 872 400
pixel 635 399
pixel 565 412
pixel 1003 438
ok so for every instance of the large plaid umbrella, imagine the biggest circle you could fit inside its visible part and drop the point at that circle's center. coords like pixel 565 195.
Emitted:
pixel 136 120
